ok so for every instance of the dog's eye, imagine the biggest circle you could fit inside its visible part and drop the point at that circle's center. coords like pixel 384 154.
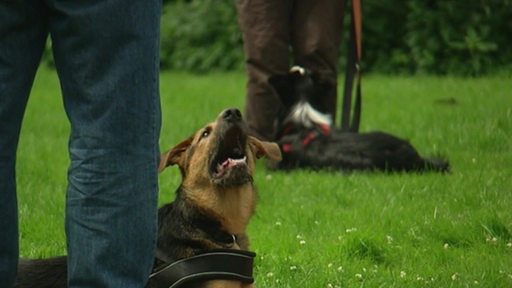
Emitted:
pixel 205 133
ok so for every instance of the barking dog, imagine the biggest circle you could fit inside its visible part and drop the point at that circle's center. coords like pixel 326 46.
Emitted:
pixel 212 208
pixel 308 139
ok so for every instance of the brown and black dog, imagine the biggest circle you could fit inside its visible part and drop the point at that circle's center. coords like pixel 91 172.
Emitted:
pixel 212 208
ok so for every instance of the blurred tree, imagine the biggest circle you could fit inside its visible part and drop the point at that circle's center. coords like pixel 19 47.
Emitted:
pixel 455 37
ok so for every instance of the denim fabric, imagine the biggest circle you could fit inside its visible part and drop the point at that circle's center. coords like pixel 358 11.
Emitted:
pixel 106 54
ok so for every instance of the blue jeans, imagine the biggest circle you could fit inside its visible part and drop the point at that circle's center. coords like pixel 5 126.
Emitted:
pixel 107 58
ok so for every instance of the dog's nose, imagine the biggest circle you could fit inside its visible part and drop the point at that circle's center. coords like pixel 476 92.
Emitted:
pixel 231 114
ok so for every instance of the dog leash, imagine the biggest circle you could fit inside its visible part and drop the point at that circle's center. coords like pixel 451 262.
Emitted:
pixel 353 69
pixel 227 264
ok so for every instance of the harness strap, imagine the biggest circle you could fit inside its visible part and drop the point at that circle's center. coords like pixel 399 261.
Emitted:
pixel 298 144
pixel 228 264
pixel 162 256
pixel 352 70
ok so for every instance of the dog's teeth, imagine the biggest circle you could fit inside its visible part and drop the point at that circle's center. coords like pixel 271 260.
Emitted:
pixel 241 159
pixel 230 162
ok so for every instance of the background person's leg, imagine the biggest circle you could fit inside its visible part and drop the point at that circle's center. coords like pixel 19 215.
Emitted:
pixel 266 31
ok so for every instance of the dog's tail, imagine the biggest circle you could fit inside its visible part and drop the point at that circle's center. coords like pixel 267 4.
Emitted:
pixel 436 164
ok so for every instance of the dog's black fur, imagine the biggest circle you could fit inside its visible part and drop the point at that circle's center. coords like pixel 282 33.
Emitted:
pixel 212 207
pixel 308 138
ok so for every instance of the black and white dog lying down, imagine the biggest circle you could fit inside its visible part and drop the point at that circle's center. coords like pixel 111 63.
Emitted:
pixel 307 137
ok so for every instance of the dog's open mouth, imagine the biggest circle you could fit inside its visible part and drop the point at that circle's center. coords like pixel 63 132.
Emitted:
pixel 229 164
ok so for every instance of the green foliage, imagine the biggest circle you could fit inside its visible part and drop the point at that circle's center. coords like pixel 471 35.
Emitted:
pixel 468 38
pixel 200 36
pixel 437 37
pixel 382 37
pixel 415 36
pixel 452 36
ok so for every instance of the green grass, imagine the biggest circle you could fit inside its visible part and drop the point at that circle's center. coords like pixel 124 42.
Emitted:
pixel 327 229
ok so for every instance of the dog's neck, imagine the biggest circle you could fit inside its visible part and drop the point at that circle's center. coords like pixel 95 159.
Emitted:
pixel 233 206
pixel 236 206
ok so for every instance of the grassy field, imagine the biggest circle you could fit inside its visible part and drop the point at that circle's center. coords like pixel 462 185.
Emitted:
pixel 327 229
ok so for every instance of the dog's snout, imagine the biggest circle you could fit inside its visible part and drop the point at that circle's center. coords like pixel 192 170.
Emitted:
pixel 231 114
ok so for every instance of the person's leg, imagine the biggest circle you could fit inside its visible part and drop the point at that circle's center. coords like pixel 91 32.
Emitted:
pixel 23 37
pixel 318 28
pixel 265 27
pixel 107 58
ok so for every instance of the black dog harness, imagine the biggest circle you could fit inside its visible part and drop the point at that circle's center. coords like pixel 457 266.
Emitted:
pixel 227 264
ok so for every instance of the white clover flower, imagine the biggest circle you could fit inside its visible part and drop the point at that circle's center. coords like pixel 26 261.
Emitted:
pixel 492 239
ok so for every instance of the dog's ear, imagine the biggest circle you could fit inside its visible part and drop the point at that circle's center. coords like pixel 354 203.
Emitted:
pixel 174 155
pixel 269 150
